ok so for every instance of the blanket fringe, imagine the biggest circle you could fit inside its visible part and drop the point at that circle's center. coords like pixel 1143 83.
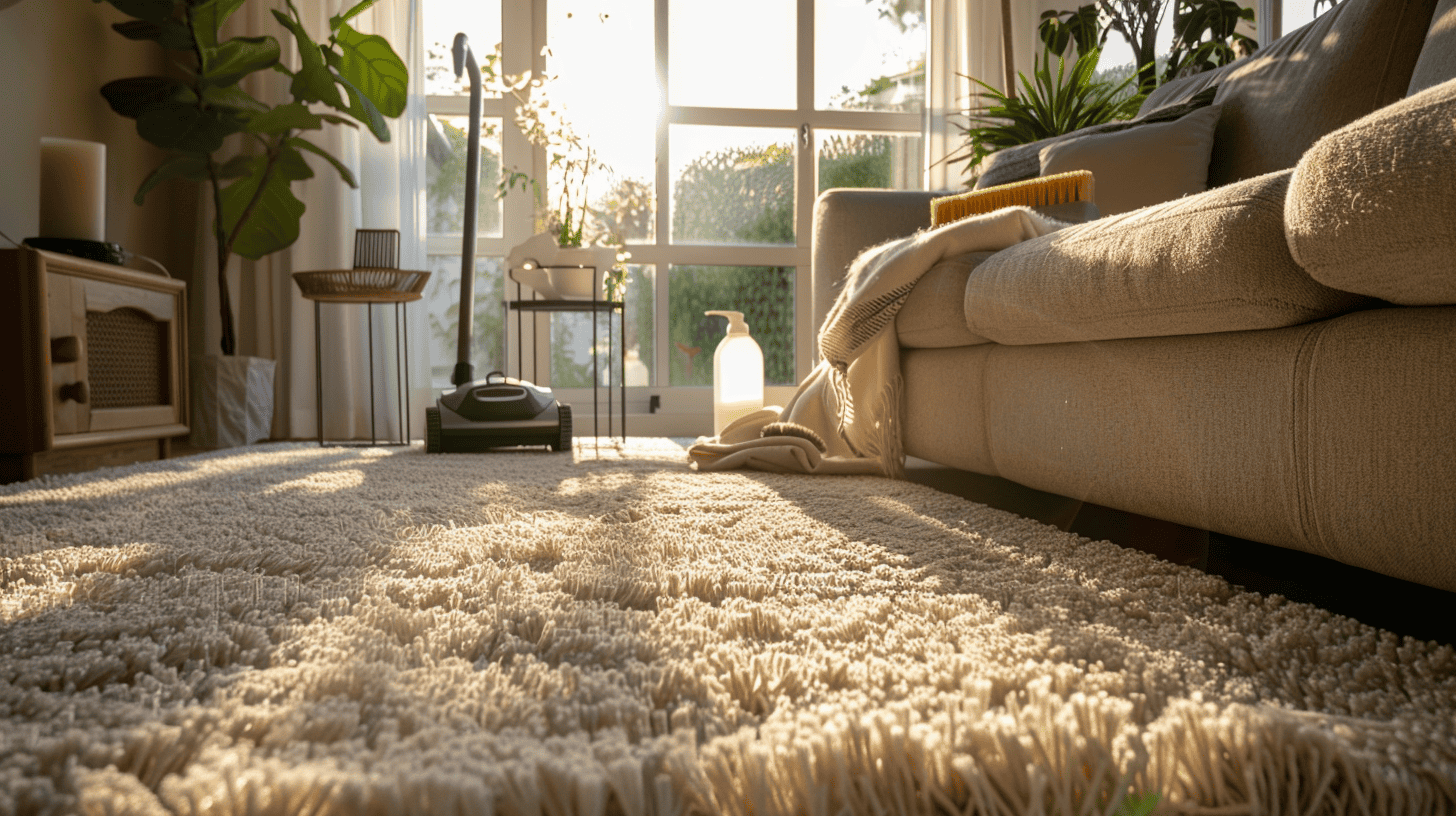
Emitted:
pixel 889 447
pixel 843 403
pixel 878 436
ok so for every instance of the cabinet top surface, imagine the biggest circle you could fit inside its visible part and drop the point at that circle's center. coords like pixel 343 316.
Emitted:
pixel 96 270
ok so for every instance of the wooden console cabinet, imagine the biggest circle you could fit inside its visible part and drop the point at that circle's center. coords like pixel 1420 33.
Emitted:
pixel 92 364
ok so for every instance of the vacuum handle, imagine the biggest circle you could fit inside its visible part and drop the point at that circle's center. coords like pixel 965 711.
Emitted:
pixel 465 63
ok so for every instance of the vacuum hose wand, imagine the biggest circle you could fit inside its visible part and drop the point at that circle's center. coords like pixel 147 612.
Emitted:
pixel 465 61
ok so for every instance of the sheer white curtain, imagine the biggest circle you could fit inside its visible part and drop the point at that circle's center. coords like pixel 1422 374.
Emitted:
pixel 273 319
pixel 966 41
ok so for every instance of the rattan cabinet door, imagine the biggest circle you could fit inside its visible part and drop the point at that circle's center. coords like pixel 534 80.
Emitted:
pixel 129 355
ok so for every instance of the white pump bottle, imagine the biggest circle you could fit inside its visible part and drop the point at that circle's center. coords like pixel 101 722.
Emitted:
pixel 737 373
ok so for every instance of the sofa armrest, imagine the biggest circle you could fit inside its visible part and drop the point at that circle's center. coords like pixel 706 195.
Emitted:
pixel 847 222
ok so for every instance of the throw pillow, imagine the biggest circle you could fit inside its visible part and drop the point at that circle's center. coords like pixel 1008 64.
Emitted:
pixel 1141 166
pixel 1212 262
pixel 1024 161
pixel 1372 206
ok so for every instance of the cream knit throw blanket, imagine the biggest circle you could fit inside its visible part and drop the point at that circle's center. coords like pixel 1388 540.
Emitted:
pixel 852 399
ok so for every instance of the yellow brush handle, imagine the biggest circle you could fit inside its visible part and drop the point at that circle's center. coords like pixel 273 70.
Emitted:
pixel 1062 188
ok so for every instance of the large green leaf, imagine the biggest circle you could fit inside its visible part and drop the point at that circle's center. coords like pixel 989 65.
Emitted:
pixel 314 82
pixel 186 128
pixel 225 9
pixel 362 109
pixel 181 166
pixel 290 165
pixel 208 17
pixel 292 116
pixel 234 98
pixel 236 167
pixel 271 224
pixel 228 63
pixel 153 11
pixel 133 96
pixel 344 172
pixel 371 67
pixel 172 34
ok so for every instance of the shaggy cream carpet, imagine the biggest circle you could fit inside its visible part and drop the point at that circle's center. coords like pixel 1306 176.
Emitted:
pixel 296 630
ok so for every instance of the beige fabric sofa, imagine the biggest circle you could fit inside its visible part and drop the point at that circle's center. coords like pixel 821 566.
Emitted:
pixel 1273 359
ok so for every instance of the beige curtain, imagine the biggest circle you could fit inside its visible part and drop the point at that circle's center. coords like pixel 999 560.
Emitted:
pixel 966 40
pixel 273 320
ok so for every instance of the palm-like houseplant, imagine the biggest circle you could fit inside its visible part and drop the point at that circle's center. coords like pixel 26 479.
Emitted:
pixel 1048 105
pixel 247 151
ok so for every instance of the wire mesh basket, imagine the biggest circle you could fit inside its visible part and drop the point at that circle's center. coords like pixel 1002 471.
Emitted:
pixel 375 277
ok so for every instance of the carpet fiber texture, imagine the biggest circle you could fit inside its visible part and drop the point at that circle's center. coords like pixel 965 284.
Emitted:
pixel 294 630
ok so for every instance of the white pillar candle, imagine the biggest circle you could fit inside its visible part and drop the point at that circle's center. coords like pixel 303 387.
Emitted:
pixel 72 189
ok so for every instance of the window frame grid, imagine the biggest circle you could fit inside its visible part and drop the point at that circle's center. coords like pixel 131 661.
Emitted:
pixel 524 36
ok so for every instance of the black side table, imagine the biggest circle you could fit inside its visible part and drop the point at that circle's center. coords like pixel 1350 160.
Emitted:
pixel 595 307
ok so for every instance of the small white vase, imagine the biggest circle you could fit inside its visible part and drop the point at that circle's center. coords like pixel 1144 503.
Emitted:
pixel 232 400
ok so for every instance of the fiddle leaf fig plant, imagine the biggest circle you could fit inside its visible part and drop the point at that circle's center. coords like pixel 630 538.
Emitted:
pixel 247 151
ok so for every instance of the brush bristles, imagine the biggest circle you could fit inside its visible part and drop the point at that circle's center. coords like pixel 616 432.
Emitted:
pixel 794 429
pixel 1062 188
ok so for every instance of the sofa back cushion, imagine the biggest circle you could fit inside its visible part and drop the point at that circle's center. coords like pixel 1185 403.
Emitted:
pixel 1209 263
pixel 1372 206
pixel 1437 62
pixel 1353 59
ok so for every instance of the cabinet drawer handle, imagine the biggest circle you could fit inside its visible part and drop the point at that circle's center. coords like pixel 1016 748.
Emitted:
pixel 66 349
pixel 76 391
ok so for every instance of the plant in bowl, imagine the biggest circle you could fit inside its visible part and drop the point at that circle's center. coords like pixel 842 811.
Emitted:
pixel 247 151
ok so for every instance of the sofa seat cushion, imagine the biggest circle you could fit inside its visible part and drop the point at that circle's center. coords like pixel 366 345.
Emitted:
pixel 1372 206
pixel 934 314
pixel 1213 262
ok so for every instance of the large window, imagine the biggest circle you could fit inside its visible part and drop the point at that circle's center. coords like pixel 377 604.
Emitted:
pixel 719 123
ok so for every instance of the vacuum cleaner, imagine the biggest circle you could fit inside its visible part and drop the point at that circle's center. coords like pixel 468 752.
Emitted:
pixel 498 411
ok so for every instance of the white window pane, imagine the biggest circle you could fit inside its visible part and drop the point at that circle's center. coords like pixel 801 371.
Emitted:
pixel 445 176
pixel 606 84
pixel 479 20
pixel 765 296
pixel 442 300
pixel 850 159
pixel 869 55
pixel 732 55
pixel 732 185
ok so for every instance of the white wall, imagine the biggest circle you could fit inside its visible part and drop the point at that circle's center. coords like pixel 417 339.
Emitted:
pixel 54 57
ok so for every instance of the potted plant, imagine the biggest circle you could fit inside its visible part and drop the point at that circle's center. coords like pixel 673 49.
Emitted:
pixel 248 152
pixel 1051 105
pixel 567 241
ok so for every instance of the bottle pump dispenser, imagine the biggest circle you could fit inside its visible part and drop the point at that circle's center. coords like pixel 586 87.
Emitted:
pixel 737 373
